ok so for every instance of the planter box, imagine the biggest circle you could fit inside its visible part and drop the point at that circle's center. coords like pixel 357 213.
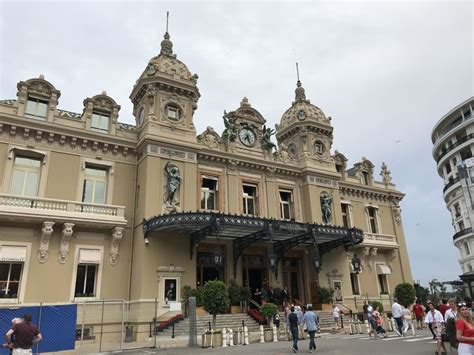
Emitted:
pixel 216 340
pixel 200 311
pixel 268 336
pixel 235 309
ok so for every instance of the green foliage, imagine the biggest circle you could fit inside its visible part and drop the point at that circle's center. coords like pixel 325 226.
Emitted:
pixel 378 304
pixel 268 310
pixel 405 294
pixel 215 297
pixel 326 294
pixel 188 291
pixel 277 295
pixel 245 293
pixel 422 293
pixel 235 293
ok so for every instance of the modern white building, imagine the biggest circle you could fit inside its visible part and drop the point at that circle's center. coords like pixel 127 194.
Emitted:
pixel 453 146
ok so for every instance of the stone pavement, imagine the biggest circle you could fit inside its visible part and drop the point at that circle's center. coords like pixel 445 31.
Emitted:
pixel 331 344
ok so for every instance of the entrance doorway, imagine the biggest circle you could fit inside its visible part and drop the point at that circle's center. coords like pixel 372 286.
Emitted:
pixel 255 274
pixel 292 277
pixel 206 269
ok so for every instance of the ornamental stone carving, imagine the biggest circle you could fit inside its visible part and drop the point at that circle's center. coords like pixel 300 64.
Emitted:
pixel 209 138
pixel 385 174
pixel 117 234
pixel 63 254
pixel 173 183
pixel 46 233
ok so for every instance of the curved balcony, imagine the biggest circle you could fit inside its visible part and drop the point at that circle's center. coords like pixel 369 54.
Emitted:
pixel 449 148
pixel 450 183
pixel 462 233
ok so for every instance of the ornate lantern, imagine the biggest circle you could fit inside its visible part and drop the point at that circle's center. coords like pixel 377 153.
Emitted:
pixel 356 264
pixel 218 257
pixel 317 263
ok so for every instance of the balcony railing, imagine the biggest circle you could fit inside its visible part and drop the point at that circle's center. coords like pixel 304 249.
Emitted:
pixel 450 147
pixel 382 239
pixel 450 183
pixel 462 233
pixel 18 205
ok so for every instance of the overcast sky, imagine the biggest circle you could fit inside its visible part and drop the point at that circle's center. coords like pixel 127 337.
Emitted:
pixel 385 72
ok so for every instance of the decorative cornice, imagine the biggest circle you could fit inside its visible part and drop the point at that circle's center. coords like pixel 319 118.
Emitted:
pixel 368 192
pixel 46 233
pixel 117 235
pixel 67 232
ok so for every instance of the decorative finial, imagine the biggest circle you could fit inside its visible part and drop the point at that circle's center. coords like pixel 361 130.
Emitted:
pixel 166 44
pixel 385 173
pixel 299 92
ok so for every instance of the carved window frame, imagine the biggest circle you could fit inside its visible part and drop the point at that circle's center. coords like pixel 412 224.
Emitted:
pixel 377 219
pixel 14 151
pixel 348 213
pixel 24 272
pixel 102 164
pixel 98 278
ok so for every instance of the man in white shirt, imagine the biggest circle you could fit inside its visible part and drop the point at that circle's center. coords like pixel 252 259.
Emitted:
pixel 397 314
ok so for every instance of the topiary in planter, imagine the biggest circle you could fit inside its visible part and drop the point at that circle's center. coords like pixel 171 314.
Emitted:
pixel 215 298
pixel 234 293
pixel 405 294
pixel 268 310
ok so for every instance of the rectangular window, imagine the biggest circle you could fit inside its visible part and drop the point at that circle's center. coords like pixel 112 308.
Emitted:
pixel 86 280
pixel 249 196
pixel 25 176
pixel 95 185
pixel 373 224
pixel 457 210
pixel 100 123
pixel 36 108
pixel 383 285
pixel 355 284
pixel 365 177
pixel 10 274
pixel 209 187
pixel 286 204
pixel 448 168
pixel 460 225
pixel 346 218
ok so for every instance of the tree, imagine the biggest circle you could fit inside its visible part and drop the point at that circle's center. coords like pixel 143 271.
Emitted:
pixel 215 298
pixel 422 293
pixel 268 310
pixel 405 294
pixel 234 293
pixel 326 294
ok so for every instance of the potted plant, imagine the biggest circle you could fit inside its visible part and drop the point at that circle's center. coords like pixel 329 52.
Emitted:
pixel 326 295
pixel 268 310
pixel 212 338
pixel 215 298
pixel 245 295
pixel 234 296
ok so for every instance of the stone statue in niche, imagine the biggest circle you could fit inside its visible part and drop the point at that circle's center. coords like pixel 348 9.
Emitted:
pixel 172 184
pixel 326 202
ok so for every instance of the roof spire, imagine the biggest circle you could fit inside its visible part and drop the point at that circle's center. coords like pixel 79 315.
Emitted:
pixel 166 44
pixel 299 92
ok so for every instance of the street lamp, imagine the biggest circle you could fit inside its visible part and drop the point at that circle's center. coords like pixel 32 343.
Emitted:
pixel 218 257
pixel 273 262
pixel 317 263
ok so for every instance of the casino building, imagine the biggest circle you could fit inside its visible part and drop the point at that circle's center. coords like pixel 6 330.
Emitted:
pixel 91 208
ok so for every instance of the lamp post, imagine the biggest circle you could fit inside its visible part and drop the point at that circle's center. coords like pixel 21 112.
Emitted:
pixel 217 255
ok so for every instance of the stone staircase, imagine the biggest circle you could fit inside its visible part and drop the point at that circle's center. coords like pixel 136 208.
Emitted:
pixel 227 321
pixel 326 320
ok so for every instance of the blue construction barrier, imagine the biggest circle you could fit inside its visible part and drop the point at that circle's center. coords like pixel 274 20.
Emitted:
pixel 57 325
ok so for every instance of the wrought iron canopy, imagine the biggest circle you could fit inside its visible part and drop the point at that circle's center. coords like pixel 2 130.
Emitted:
pixel 246 230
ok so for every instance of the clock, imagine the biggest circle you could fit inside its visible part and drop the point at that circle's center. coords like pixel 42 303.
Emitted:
pixel 301 115
pixel 247 136
pixel 292 151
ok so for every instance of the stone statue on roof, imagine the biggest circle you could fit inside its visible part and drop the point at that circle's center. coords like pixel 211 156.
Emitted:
pixel 230 131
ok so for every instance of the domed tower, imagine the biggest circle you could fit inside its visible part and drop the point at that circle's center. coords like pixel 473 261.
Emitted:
pixel 306 132
pixel 165 97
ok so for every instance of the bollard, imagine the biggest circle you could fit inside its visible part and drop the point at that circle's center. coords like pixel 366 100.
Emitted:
pixel 394 326
pixel 172 333
pixel 412 328
pixel 231 337
pixel 367 327
pixel 262 335
pixel 359 325
pixel 246 335
pixel 239 338
pixel 224 338
pixel 275 336
pixel 351 327
pixel 390 328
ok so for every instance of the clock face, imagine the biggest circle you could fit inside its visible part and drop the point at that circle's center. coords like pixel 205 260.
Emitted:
pixel 247 137
pixel 301 115
pixel 292 151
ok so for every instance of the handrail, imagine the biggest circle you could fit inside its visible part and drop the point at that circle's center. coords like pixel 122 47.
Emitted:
pixel 446 150
pixel 450 183
pixel 254 303
pixel 461 233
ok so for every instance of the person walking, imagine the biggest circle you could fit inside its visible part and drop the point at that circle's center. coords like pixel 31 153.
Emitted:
pixel 300 314
pixel 418 312
pixel 450 322
pixel 464 330
pixel 284 298
pixel 379 329
pixel 26 334
pixel 336 314
pixel 293 325
pixel 406 320
pixel 435 318
pixel 443 307
pixel 397 314
pixel 452 311
pixel 311 320
pixel 365 311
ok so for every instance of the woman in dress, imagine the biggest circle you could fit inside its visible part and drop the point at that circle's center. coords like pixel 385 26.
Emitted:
pixel 464 330
pixel 378 323
pixel 435 318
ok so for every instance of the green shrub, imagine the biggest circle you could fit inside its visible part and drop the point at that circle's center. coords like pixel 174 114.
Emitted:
pixel 235 293
pixel 215 298
pixel 376 304
pixel 405 294
pixel 245 294
pixel 326 294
